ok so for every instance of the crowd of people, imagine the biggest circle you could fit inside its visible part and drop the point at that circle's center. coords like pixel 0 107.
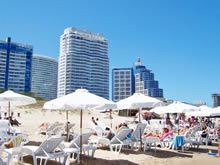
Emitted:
pixel 179 125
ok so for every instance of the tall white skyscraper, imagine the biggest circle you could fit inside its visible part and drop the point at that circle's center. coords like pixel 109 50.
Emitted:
pixel 44 77
pixel 83 62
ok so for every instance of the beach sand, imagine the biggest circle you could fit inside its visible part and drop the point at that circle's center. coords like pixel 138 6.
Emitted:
pixel 31 119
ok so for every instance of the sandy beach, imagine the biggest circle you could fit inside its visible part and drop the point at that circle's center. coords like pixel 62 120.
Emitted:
pixel 31 118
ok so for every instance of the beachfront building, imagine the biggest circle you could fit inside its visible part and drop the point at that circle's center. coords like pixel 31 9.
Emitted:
pixel 44 77
pixel 83 62
pixel 139 79
pixel 15 66
pixel 122 83
pixel 144 81
pixel 216 100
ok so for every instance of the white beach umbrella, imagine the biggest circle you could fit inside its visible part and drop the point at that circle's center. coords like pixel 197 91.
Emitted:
pixel 201 112
pixel 81 100
pixel 139 101
pixel 215 112
pixel 175 107
pixel 9 98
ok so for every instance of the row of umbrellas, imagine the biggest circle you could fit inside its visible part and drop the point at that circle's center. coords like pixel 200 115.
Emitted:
pixel 189 110
pixel 81 100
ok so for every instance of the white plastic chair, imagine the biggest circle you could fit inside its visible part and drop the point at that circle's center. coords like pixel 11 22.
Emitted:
pixel 6 128
pixel 73 147
pixel 46 151
pixel 118 141
pixel 13 147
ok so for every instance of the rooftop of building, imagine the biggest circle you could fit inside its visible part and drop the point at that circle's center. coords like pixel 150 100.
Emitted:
pixel 18 44
pixel 45 57
pixel 85 33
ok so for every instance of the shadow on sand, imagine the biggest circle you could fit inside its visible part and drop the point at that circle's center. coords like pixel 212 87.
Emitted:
pixel 159 153
pixel 86 161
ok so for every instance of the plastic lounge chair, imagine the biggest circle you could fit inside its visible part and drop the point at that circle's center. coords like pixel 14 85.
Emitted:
pixel 91 125
pixel 73 147
pixel 149 141
pixel 118 141
pixel 46 151
pixel 2 162
pixel 5 128
pixel 136 133
pixel 55 129
pixel 13 147
pixel 190 138
pixel 102 126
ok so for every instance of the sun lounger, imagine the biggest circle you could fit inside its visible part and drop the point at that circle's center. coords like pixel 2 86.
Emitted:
pixel 118 141
pixel 6 131
pixel 2 162
pixel 46 151
pixel 136 133
pixel 102 126
pixel 149 141
pixel 73 147
pixel 13 147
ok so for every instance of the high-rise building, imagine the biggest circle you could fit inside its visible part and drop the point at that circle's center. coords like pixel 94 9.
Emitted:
pixel 216 100
pixel 44 77
pixel 122 83
pixel 144 81
pixel 139 79
pixel 15 66
pixel 83 63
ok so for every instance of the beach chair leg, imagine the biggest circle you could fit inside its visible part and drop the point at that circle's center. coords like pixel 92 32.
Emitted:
pixel 65 159
pixel 93 152
pixel 9 159
pixel 22 160
pixel 182 148
pixel 145 146
pixel 120 146
pixel 45 162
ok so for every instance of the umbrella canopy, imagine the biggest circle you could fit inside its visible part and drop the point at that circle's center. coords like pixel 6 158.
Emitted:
pixel 15 99
pixel 215 112
pixel 139 100
pixel 80 99
pixel 201 112
pixel 175 107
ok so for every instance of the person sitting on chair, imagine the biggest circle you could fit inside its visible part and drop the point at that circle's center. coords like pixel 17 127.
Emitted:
pixel 93 120
pixel 14 122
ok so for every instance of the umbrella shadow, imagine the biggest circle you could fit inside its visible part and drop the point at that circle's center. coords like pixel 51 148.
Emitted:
pixel 99 161
pixel 159 153
pixel 33 143
pixel 29 159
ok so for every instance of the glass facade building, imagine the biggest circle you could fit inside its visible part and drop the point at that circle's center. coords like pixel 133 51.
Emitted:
pixel 139 79
pixel 144 81
pixel 83 63
pixel 44 77
pixel 216 100
pixel 122 83
pixel 15 66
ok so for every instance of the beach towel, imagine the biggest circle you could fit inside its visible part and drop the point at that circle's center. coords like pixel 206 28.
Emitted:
pixel 178 141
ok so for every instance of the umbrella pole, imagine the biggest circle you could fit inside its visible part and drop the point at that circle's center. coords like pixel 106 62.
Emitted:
pixel 140 128
pixel 67 129
pixel 110 116
pixel 81 136
pixel 8 110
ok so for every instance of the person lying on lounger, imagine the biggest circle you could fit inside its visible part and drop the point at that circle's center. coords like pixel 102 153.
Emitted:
pixel 166 132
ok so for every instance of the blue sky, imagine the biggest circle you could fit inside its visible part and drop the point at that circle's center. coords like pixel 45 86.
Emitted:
pixel 178 39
